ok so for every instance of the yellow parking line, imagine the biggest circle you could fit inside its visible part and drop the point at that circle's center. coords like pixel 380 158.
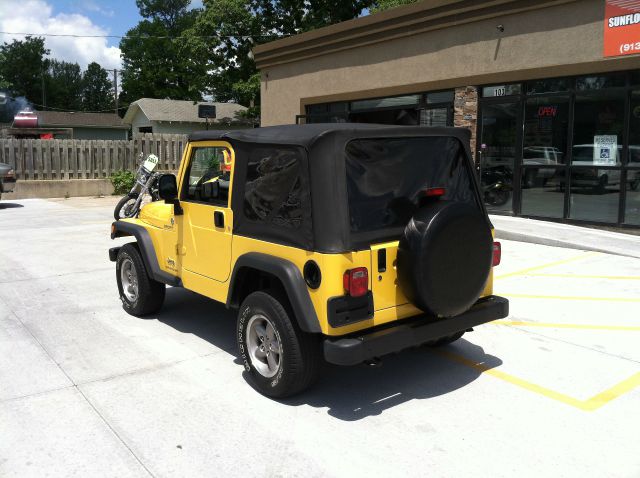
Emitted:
pixel 612 393
pixel 571 297
pixel 582 276
pixel 522 323
pixel 588 405
pixel 584 255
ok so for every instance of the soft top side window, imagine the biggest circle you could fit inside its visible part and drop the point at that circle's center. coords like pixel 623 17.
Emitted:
pixel 272 191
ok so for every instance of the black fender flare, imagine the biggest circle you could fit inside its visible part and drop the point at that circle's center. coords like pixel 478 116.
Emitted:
pixel 292 280
pixel 147 251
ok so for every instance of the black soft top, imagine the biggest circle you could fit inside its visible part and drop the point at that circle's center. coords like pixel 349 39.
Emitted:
pixel 324 222
pixel 306 135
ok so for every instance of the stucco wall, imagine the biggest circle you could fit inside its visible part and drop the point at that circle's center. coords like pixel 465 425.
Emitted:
pixel 555 41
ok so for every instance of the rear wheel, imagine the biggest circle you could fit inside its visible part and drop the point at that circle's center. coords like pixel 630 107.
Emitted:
pixel 139 293
pixel 280 360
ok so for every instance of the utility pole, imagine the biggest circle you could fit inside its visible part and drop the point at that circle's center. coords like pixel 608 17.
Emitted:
pixel 44 96
pixel 115 88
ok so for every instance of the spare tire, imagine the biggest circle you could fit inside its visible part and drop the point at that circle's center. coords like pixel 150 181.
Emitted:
pixel 444 257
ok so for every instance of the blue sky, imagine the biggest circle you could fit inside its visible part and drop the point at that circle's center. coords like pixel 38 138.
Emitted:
pixel 115 16
pixel 77 17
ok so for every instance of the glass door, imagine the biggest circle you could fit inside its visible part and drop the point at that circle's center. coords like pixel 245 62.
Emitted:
pixel 499 152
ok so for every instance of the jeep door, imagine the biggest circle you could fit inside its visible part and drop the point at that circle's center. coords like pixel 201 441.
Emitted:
pixel 205 198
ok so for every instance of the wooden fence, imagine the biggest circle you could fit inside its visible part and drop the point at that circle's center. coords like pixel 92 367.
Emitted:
pixel 87 159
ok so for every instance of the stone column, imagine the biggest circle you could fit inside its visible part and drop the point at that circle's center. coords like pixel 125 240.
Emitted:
pixel 465 113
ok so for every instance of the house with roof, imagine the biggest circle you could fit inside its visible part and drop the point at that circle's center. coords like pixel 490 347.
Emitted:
pixel 85 125
pixel 68 125
pixel 151 115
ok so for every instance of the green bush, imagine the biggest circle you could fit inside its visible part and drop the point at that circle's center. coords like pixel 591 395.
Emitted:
pixel 122 181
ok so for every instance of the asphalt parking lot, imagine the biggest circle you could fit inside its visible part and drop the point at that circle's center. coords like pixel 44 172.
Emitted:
pixel 87 390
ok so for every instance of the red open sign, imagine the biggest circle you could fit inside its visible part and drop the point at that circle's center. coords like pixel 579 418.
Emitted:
pixel 547 111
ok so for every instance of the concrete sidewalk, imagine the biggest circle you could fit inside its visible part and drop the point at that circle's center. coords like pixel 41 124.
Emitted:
pixel 565 235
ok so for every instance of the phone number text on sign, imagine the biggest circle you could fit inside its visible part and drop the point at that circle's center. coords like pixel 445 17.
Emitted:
pixel 629 47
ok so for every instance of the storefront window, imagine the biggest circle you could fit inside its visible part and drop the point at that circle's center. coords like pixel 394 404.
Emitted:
pixel 497 154
pixel 598 82
pixel 434 117
pixel 598 129
pixel 548 86
pixel 595 194
pixel 440 97
pixel 543 192
pixel 546 128
pixel 340 107
pixel 632 215
pixel 635 77
pixel 396 101
pixel 634 130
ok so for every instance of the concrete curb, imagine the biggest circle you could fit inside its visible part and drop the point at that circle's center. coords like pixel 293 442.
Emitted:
pixel 566 236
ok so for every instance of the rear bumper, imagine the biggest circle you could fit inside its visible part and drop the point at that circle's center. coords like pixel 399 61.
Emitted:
pixel 356 349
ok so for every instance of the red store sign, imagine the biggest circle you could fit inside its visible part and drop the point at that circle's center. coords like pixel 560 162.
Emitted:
pixel 622 27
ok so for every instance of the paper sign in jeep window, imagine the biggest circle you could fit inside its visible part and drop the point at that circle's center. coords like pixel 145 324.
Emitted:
pixel 386 178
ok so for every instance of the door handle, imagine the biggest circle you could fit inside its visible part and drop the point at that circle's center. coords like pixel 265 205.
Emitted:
pixel 218 219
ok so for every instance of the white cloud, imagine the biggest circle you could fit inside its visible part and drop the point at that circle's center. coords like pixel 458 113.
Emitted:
pixel 36 16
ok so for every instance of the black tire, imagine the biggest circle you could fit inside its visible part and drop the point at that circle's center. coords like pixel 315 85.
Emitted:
pixel 299 360
pixel 444 257
pixel 121 211
pixel 149 293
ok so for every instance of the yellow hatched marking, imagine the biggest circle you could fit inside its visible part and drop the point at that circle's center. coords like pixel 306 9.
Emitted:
pixel 571 297
pixel 583 276
pixel 521 323
pixel 584 255
pixel 588 405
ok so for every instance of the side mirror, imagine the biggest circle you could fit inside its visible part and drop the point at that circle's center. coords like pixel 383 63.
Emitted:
pixel 168 190
pixel 210 190
pixel 167 187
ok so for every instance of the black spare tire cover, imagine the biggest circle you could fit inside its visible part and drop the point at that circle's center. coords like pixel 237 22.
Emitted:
pixel 444 257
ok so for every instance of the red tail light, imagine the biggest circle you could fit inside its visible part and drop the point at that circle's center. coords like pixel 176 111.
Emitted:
pixel 497 253
pixel 356 281
pixel 435 192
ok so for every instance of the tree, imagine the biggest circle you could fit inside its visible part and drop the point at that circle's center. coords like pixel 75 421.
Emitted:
pixel 226 31
pixel 63 88
pixel 97 90
pixel 155 63
pixel 288 17
pixel 222 38
pixel 22 66
pixel 387 4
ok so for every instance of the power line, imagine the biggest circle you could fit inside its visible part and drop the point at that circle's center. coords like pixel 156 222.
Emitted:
pixel 159 37
pixel 67 110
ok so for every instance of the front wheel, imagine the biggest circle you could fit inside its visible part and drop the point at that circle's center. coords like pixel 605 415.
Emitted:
pixel 280 360
pixel 125 207
pixel 139 293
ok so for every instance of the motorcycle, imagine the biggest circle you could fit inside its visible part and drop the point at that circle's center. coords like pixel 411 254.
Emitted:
pixel 496 186
pixel 146 183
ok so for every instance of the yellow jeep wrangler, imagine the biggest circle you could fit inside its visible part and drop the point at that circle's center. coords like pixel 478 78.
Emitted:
pixel 340 242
